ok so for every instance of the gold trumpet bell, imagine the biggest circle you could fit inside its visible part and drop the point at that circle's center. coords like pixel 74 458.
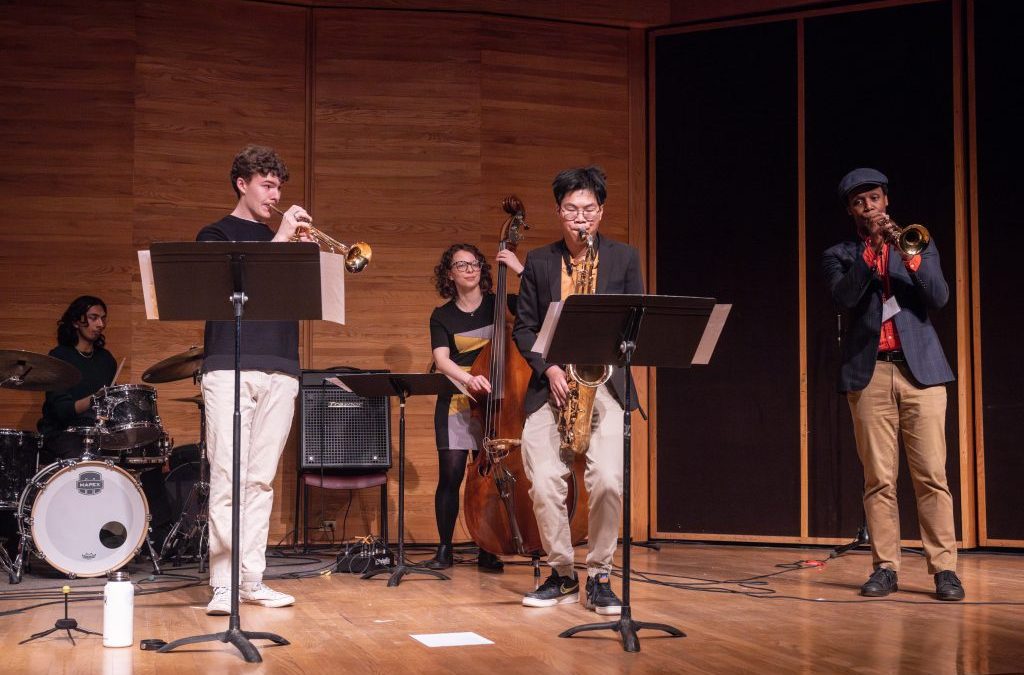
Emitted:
pixel 913 239
pixel 358 257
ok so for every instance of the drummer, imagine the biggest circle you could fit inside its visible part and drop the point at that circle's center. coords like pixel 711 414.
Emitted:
pixel 80 342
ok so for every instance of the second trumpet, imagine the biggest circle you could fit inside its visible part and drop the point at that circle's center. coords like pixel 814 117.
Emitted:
pixel 357 255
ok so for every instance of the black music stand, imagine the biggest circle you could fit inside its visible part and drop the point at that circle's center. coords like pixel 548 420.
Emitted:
pixel 192 281
pixel 605 330
pixel 402 385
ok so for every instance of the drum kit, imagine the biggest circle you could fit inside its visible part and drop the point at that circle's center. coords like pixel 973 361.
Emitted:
pixel 86 515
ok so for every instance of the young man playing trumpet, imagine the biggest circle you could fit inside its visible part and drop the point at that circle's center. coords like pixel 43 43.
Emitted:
pixel 894 375
pixel 269 385
pixel 550 275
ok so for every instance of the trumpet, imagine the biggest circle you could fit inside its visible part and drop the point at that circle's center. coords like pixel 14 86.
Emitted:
pixel 357 255
pixel 910 240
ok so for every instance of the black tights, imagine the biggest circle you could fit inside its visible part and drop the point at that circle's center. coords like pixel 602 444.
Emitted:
pixel 451 469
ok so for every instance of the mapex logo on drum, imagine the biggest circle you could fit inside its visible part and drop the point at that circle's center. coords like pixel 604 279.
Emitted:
pixel 344 404
pixel 89 483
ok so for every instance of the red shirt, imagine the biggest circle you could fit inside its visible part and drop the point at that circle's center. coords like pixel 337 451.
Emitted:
pixel 888 339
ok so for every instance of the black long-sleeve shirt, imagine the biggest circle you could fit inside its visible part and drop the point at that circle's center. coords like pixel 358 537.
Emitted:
pixel 59 406
pixel 266 345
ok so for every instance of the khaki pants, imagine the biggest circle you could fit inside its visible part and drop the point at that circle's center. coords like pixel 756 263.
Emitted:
pixel 267 404
pixel 603 480
pixel 892 402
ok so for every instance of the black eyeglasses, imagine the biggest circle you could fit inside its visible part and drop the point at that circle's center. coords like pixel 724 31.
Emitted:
pixel 570 212
pixel 465 266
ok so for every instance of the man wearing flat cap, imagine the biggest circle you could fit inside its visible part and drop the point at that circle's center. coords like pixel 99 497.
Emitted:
pixel 894 375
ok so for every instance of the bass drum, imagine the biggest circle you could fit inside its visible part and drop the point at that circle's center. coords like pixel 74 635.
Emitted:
pixel 85 519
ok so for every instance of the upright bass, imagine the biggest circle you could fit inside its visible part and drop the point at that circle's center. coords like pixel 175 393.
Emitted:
pixel 497 504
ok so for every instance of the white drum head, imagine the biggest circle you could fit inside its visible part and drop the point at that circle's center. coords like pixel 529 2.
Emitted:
pixel 89 519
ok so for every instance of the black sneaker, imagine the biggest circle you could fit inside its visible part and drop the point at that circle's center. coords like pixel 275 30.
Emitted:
pixel 555 591
pixel 948 586
pixel 881 583
pixel 600 596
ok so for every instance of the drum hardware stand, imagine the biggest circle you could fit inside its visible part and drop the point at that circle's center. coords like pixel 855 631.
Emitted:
pixel 65 624
pixel 7 565
pixel 198 531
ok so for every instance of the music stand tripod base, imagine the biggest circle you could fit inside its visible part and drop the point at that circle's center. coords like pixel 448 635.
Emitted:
pixel 626 628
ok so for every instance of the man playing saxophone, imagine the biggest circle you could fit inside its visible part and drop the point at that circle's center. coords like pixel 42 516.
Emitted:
pixel 553 273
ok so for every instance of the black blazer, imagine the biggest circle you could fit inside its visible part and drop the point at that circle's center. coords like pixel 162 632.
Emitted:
pixel 618 271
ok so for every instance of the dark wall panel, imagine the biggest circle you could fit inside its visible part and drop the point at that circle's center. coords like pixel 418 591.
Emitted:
pixel 879 93
pixel 728 442
pixel 1000 146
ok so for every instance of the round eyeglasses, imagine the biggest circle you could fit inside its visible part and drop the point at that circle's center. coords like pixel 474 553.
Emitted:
pixel 465 266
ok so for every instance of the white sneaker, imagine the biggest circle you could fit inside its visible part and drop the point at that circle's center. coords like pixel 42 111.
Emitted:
pixel 220 605
pixel 261 594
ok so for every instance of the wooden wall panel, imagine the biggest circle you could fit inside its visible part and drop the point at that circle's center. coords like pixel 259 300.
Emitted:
pixel 403 129
pixel 208 84
pixel 414 150
pixel 396 164
pixel 66 139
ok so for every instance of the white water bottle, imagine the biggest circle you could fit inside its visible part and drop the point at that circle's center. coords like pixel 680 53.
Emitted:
pixel 118 610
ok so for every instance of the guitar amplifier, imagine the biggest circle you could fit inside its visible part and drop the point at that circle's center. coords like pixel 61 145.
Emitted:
pixel 339 430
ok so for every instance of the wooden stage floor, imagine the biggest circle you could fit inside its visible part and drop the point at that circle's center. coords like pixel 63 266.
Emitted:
pixel 806 620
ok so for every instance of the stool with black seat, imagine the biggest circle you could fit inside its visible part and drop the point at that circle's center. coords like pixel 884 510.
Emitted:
pixel 340 481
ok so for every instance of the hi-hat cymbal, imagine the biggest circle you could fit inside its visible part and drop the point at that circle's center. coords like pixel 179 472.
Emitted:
pixel 197 399
pixel 29 371
pixel 177 367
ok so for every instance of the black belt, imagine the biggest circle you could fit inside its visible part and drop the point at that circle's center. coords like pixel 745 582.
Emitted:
pixel 895 356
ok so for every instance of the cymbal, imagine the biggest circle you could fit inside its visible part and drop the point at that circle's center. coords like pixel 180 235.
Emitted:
pixel 178 367
pixel 29 371
pixel 197 399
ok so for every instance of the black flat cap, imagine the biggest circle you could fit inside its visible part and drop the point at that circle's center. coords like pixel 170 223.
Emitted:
pixel 861 178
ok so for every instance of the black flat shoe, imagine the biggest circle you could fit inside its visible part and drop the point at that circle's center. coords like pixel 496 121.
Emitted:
pixel 442 560
pixel 488 562
pixel 948 586
pixel 881 583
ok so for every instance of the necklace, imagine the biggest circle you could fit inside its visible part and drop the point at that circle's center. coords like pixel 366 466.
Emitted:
pixel 85 355
pixel 471 312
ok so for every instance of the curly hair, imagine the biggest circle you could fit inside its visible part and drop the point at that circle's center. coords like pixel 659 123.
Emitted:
pixel 445 286
pixel 256 159
pixel 67 331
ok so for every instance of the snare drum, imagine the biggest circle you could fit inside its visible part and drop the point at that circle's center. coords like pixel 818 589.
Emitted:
pixel 19 457
pixel 153 454
pixel 130 415
pixel 86 519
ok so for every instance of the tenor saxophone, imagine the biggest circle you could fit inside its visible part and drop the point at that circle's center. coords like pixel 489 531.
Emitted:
pixel 576 416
